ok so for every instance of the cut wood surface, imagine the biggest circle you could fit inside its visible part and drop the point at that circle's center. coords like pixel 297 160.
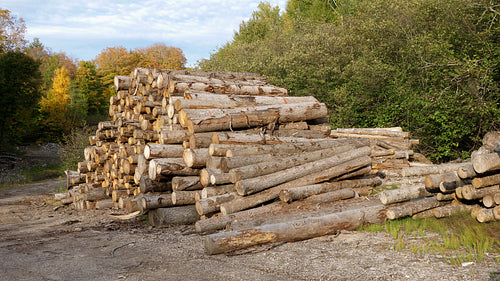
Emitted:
pixel 485 215
pixel 169 167
pixel 297 230
pixel 301 192
pixel 486 162
pixel 196 157
pixel 173 215
pixel 404 194
pixel 467 171
pixel 249 186
pixel 184 197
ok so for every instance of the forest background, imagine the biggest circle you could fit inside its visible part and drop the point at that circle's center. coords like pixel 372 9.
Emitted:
pixel 431 67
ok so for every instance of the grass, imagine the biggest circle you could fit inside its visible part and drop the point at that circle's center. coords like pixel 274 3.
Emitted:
pixel 43 172
pixel 457 239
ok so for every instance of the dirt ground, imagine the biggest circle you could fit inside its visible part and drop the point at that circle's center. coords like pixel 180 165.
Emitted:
pixel 41 241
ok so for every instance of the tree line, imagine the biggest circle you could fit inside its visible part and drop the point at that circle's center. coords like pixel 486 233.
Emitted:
pixel 43 94
pixel 429 66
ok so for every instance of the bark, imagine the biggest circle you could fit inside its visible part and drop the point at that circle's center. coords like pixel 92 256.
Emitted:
pixel 466 171
pixel 404 194
pixel 214 162
pixel 184 197
pixel 486 162
pixel 496 197
pixel 171 137
pixel 388 132
pixel 266 90
pixel 196 157
pixel 332 196
pixel 186 183
pixel 496 213
pixel 212 204
pixel 253 185
pixel 471 193
pixel 228 163
pixel 302 134
pixel 170 167
pixel 147 185
pixel 284 148
pixel 149 202
pixel 479 182
pixel 104 204
pixel 210 191
pixel 122 83
pixel 220 178
pixel 297 230
pixel 432 169
pixel 450 210
pixel 485 215
pixel 433 181
pixel 155 150
pixel 281 163
pixel 301 192
pixel 173 215
pixel 413 207
pixel 445 197
pixel 272 193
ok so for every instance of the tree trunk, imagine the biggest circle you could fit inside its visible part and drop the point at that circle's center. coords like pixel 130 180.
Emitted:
pixel 147 185
pixel 171 137
pixel 471 193
pixel 331 196
pixel 184 197
pixel 253 185
pixel 486 162
pixel 285 148
pixel 466 171
pixel 196 157
pixel 186 183
pixel 450 210
pixel 282 163
pixel 212 204
pixel 173 215
pixel 265 90
pixel 479 182
pixel 432 169
pixel 149 202
pixel 229 163
pixel 388 132
pixel 210 191
pixel 272 193
pixel 122 83
pixel 489 201
pixel 155 150
pixel 433 181
pixel 293 231
pixel 301 192
pixel 104 204
pixel 200 140
pixel 170 167
pixel 413 207
pixel 485 215
pixel 219 178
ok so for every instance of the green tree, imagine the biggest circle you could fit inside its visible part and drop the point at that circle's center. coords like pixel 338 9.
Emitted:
pixel 93 91
pixel 264 21
pixel 19 96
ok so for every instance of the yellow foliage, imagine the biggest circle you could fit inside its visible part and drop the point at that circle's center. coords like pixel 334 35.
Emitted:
pixel 162 56
pixel 54 102
pixel 114 61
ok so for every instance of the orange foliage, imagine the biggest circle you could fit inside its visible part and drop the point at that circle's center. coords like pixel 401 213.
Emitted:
pixel 160 55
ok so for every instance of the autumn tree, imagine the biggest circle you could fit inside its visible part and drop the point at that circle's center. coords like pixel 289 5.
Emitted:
pixel 12 32
pixel 160 55
pixel 54 105
pixel 89 84
pixel 114 61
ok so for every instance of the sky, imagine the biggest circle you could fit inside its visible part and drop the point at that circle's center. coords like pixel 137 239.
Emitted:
pixel 82 29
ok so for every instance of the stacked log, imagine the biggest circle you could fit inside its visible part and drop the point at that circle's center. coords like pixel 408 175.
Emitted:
pixel 472 186
pixel 218 148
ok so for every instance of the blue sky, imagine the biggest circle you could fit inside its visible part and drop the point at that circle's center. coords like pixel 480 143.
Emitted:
pixel 82 29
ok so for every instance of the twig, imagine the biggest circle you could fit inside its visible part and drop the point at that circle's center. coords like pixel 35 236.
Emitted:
pixel 128 244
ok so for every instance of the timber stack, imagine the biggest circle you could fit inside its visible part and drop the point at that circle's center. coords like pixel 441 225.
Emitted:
pixel 447 189
pixel 227 149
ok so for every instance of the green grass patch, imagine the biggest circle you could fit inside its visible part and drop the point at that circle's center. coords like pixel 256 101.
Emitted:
pixel 458 239
pixel 43 172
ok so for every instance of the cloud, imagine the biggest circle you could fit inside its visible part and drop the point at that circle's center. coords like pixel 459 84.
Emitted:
pixel 197 27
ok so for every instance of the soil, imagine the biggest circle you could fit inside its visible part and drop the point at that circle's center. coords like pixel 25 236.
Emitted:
pixel 40 240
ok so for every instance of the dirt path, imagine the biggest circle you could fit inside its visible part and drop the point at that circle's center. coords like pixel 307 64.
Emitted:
pixel 41 242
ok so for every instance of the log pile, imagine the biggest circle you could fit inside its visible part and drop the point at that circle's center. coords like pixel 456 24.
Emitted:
pixel 228 150
pixel 447 189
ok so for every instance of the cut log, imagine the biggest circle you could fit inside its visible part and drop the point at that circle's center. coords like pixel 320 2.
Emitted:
pixel 173 215
pixel 432 169
pixel 253 185
pixel 184 197
pixel 485 215
pixel 186 183
pixel 450 210
pixel 172 137
pixel 445 197
pixel 233 89
pixel 196 157
pixel 301 192
pixel 212 204
pixel 220 178
pixel 122 83
pixel 284 148
pixel 433 181
pixel 147 185
pixel 228 163
pixel 289 213
pixel 149 202
pixel 471 193
pixel 489 201
pixel 170 167
pixel 404 194
pixel 154 150
pixel 479 182
pixel 210 191
pixel 281 163
pixel 331 196
pixel 466 171
pixel 413 207
pixel 496 213
pixel 496 197
pixel 104 204
pixel 293 231
pixel 486 162
pixel 272 193
pixel 389 132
